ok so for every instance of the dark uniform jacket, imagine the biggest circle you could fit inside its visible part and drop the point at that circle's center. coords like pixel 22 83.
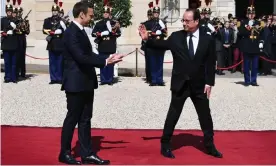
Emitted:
pixel 52 24
pixel 108 43
pixel 249 43
pixel 8 42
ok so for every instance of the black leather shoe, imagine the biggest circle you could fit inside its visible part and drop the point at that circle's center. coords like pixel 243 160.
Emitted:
pixel 212 150
pixel 167 152
pixel 161 84
pixel 254 84
pixel 68 159
pixel 94 159
pixel 52 82
pixel 151 84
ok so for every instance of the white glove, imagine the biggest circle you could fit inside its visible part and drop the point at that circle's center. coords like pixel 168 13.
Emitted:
pixel 211 27
pixel 63 25
pixel 104 33
pixel 13 25
pixel 261 45
pixel 250 23
pixel 162 24
pixel 58 31
pixel 10 32
pixel 158 32
pixel 109 26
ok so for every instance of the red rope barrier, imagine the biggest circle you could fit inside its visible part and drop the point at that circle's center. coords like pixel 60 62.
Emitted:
pixel 230 67
pixel 268 60
pixel 220 68
pixel 48 58
pixel 163 62
pixel 35 57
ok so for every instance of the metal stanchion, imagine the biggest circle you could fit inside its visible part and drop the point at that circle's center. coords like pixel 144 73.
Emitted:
pixel 136 67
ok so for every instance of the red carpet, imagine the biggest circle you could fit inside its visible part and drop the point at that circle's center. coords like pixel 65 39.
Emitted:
pixel 36 146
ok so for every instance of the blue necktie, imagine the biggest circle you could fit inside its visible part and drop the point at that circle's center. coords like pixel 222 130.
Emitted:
pixel 226 36
pixel 191 46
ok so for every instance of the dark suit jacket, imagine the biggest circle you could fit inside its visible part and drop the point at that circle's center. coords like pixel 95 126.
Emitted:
pixel 79 61
pixel 200 70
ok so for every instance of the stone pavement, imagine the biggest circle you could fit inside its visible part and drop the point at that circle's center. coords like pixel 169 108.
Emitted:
pixel 130 103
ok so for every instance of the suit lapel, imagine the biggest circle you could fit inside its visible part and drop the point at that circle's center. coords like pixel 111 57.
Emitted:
pixel 185 44
pixel 85 37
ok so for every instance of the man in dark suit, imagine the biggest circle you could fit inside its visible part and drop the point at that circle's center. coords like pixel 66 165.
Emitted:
pixel 193 76
pixel 227 39
pixel 79 82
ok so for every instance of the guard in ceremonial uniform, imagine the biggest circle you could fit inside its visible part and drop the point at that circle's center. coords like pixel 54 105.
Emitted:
pixel 52 27
pixel 9 44
pixel 23 29
pixel 251 45
pixel 147 58
pixel 157 31
pixel 106 32
pixel 206 22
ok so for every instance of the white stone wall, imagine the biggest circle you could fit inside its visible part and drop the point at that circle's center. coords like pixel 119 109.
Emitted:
pixel 222 8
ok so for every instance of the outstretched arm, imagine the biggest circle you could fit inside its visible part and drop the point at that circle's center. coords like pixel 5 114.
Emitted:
pixel 159 44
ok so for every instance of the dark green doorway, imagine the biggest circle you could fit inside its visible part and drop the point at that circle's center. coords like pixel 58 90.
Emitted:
pixel 263 7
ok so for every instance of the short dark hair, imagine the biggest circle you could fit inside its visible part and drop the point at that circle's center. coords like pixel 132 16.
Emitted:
pixel 81 7
pixel 195 12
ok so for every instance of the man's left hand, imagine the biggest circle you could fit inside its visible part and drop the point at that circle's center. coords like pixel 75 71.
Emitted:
pixel 207 90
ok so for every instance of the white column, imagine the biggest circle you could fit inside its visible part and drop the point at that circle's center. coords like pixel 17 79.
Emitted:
pixel 274 6
pixel 3 8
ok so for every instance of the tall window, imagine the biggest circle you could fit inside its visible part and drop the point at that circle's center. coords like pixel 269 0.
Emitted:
pixel 3 8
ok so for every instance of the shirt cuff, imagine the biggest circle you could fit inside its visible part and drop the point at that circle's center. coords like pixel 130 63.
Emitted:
pixel 207 85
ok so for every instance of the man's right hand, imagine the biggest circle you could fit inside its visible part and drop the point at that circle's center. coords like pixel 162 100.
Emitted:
pixel 143 32
pixel 114 58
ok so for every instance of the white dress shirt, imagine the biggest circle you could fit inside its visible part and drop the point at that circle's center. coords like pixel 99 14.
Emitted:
pixel 195 40
pixel 79 25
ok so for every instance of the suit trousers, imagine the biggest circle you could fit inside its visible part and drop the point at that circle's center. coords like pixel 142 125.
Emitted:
pixel 227 53
pixel 250 61
pixel 106 73
pixel 10 65
pixel 147 66
pixel 156 58
pixel 220 59
pixel 55 65
pixel 80 108
pixel 201 103
pixel 21 56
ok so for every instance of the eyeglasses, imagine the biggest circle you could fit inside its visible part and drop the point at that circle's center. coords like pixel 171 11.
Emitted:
pixel 187 21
